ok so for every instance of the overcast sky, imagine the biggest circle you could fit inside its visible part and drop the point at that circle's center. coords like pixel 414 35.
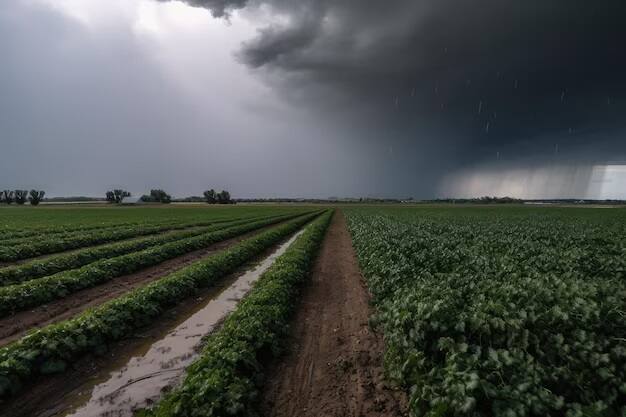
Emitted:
pixel 315 98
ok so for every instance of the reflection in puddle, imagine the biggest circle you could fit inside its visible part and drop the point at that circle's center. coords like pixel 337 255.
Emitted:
pixel 142 378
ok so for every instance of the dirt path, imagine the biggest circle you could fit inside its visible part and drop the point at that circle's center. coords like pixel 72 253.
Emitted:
pixel 334 366
pixel 15 326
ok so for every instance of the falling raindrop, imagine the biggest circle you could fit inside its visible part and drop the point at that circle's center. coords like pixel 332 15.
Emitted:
pixel 480 107
pixel 562 96
pixel 487 128
pixel 413 92
pixel 608 101
pixel 498 155
pixel 397 101
pixel 495 115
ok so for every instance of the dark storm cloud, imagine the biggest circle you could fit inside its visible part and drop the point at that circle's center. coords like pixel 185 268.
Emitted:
pixel 218 8
pixel 478 75
pixel 380 98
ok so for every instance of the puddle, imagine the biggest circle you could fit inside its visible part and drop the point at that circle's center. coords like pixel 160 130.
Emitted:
pixel 138 379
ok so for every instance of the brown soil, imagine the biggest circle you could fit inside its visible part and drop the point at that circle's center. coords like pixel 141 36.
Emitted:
pixel 334 366
pixel 16 326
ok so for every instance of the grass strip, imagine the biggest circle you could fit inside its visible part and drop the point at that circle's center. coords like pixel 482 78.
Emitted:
pixel 225 380
pixel 51 348
pixel 78 240
pixel 33 293
pixel 43 267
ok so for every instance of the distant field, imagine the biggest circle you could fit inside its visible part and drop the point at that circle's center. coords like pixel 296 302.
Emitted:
pixel 472 310
pixel 69 215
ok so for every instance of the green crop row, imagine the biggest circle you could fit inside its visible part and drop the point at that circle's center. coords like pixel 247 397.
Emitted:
pixel 500 315
pixel 57 244
pixel 12 235
pixel 51 265
pixel 46 236
pixel 225 379
pixel 71 232
pixel 50 349
pixel 25 236
pixel 33 293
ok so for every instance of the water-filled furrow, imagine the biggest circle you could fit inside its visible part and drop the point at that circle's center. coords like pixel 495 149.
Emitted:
pixel 139 377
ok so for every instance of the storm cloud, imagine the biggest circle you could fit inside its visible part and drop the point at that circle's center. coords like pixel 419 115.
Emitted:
pixel 400 97
pixel 492 70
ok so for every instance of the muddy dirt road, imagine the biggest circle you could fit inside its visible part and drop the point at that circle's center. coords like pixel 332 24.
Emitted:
pixel 334 363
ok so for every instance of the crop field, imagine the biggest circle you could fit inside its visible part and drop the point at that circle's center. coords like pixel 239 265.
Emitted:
pixel 500 311
pixel 76 280
pixel 285 310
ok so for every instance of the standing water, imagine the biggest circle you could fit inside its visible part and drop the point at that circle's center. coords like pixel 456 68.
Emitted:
pixel 161 364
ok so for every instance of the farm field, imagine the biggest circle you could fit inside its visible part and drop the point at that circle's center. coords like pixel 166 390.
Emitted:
pixel 74 305
pixel 500 311
pixel 280 310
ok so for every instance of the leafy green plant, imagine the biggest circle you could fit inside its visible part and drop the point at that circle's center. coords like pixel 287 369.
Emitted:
pixel 225 380
pixel 500 313
pixel 53 347
pixel 53 264
pixel 27 248
pixel 32 293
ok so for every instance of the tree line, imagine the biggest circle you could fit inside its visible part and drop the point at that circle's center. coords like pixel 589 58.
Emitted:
pixel 211 196
pixel 21 197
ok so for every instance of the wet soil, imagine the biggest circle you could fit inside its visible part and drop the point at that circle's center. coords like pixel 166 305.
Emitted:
pixel 334 363
pixel 16 326
pixel 160 364
pixel 56 395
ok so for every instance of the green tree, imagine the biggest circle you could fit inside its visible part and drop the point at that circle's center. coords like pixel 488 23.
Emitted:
pixel 36 197
pixel 8 196
pixel 160 196
pixel 210 196
pixel 120 195
pixel 117 196
pixel 21 196
pixel 223 197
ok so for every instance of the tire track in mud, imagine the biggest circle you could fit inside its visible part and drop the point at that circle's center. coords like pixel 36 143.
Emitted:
pixel 334 363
